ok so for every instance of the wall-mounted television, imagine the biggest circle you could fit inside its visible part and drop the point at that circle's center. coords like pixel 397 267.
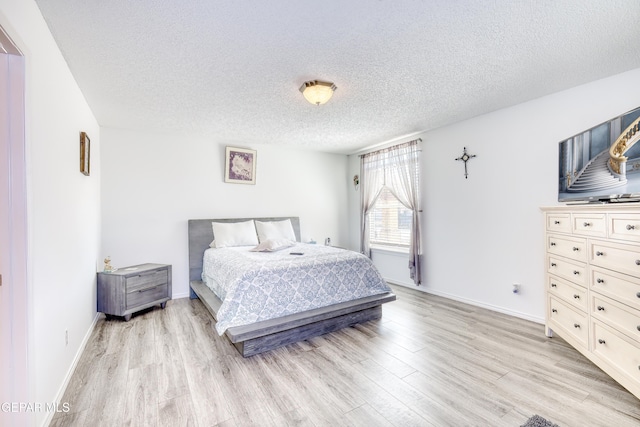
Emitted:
pixel 602 164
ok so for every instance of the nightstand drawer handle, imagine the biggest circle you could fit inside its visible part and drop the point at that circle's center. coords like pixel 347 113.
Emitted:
pixel 587 224
pixel 148 289
pixel 631 227
pixel 575 325
pixel 576 296
pixel 600 308
pixel 601 341
pixel 598 253
pixel 599 280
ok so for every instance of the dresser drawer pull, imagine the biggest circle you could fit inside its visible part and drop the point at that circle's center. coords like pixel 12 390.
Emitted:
pixel 638 294
pixel 631 227
pixel 638 262
pixel 587 224
pixel 576 249
pixel 638 327
pixel 575 325
pixel 553 310
pixel 601 341
pixel 576 272
pixel 553 264
pixel 553 285
pixel 556 222
pixel 576 296
pixel 600 308
pixel 598 253
pixel 599 280
pixel 552 244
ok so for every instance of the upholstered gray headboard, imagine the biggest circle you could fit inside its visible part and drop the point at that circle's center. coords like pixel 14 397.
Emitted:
pixel 201 235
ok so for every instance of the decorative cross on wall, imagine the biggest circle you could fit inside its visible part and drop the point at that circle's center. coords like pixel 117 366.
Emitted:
pixel 465 158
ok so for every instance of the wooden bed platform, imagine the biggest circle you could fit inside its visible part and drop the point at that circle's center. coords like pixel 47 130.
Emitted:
pixel 269 334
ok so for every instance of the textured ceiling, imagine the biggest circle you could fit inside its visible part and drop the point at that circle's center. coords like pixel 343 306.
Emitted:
pixel 230 70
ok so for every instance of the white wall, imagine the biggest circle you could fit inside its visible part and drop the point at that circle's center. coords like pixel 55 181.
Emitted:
pixel 484 233
pixel 154 183
pixel 63 205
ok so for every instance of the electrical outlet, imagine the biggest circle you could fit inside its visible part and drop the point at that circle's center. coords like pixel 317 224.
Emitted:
pixel 516 288
pixel 66 337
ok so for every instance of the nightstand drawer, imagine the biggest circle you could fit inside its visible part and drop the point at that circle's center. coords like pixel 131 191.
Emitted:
pixel 146 280
pixel 148 295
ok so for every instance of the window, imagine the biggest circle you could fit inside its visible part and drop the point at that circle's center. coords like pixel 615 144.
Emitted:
pixel 390 222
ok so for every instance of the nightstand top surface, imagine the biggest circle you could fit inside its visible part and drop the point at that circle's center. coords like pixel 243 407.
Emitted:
pixel 135 269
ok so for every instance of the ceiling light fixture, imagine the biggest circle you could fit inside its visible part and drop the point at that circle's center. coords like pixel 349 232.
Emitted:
pixel 317 92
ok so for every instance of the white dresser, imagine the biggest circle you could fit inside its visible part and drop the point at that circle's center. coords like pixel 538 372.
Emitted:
pixel 593 285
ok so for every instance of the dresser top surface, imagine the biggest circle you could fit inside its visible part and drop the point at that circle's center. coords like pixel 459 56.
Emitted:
pixel 604 207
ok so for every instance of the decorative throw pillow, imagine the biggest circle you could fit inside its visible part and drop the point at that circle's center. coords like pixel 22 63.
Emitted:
pixel 272 245
pixel 228 234
pixel 274 230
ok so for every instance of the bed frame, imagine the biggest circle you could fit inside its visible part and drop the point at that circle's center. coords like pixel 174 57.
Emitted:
pixel 269 334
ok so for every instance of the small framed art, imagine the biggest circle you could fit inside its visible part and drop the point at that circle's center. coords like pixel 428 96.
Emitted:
pixel 240 165
pixel 85 153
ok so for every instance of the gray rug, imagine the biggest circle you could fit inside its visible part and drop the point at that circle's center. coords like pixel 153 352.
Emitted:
pixel 538 421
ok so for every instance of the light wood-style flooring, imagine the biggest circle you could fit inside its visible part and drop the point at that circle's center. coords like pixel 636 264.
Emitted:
pixel 429 361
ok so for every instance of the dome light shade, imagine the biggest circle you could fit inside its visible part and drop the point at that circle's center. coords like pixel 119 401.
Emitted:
pixel 317 92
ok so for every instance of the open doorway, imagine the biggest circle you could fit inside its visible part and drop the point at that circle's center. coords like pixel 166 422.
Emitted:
pixel 14 380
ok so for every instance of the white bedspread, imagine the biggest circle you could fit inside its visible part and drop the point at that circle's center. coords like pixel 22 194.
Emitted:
pixel 256 286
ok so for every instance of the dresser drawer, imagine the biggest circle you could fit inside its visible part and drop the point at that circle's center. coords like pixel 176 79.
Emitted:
pixel 616 315
pixel 559 222
pixel 570 247
pixel 620 352
pixel 572 321
pixel 568 292
pixel 625 226
pixel 147 295
pixel 594 225
pixel 616 286
pixel 147 280
pixel 573 271
pixel 615 256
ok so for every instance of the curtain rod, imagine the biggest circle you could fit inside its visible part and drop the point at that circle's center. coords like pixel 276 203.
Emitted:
pixel 414 141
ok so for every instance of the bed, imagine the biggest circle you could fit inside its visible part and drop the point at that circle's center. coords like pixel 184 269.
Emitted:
pixel 262 335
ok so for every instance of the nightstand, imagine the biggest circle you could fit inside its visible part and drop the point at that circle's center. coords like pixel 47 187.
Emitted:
pixel 131 289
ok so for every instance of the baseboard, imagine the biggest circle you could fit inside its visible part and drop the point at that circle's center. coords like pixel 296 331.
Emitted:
pixel 475 303
pixel 180 295
pixel 72 368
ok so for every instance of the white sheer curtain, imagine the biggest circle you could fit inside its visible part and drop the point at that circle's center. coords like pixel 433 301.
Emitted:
pixel 398 169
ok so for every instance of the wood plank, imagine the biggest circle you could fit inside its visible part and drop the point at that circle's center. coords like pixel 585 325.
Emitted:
pixel 496 373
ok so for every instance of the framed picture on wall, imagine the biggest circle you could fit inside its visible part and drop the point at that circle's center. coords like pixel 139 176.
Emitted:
pixel 85 153
pixel 240 165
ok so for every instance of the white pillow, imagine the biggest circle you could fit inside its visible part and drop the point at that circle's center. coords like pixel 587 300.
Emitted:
pixel 273 245
pixel 234 234
pixel 274 230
